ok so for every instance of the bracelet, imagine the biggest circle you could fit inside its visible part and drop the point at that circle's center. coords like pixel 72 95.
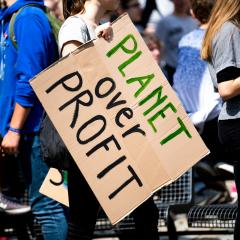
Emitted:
pixel 15 130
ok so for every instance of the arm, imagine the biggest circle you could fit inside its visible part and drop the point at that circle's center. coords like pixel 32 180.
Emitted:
pixel 229 89
pixel 70 47
pixel 11 140
pixel 31 59
pixel 225 60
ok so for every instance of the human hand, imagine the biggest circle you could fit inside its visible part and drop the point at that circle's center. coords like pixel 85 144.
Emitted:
pixel 10 143
pixel 2 154
pixel 105 31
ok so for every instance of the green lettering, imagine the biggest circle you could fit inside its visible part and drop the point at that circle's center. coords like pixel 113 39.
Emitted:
pixel 152 119
pixel 143 81
pixel 159 101
pixel 169 105
pixel 160 113
pixel 121 45
pixel 177 132
pixel 130 60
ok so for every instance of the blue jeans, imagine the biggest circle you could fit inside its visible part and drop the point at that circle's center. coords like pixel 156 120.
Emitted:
pixel 49 213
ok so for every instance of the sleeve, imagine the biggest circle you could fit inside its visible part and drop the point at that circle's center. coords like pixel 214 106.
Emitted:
pixel 227 74
pixel 73 29
pixel 226 51
pixel 31 31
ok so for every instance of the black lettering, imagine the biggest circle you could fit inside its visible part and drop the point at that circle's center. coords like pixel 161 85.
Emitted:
pixel 87 124
pixel 65 79
pixel 109 91
pixel 60 182
pixel 113 103
pixel 134 177
pixel 110 167
pixel 134 129
pixel 127 112
pixel 78 101
pixel 104 144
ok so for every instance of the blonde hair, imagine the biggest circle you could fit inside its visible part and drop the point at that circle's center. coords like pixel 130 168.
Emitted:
pixel 224 10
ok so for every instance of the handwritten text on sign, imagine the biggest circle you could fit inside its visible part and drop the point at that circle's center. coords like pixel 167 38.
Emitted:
pixel 104 88
pixel 119 118
pixel 144 81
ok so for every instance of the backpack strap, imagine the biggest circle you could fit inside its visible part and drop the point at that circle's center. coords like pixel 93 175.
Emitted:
pixel 11 28
pixel 12 22
pixel 54 23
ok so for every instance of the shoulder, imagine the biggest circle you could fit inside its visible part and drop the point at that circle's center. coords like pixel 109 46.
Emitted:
pixel 163 25
pixel 32 19
pixel 192 39
pixel 73 26
pixel 227 31
pixel 167 19
pixel 227 37
pixel 229 27
pixel 32 12
pixel 73 22
pixel 225 47
pixel 32 16
pixel 73 29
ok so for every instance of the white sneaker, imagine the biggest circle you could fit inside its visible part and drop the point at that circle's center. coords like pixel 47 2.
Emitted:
pixel 11 206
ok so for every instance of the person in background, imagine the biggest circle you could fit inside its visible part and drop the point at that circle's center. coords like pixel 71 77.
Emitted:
pixel 153 44
pixel 20 110
pixel 170 30
pixel 193 85
pixel 83 205
pixel 55 7
pixel 2 5
pixel 192 81
pixel 221 50
pixel 134 10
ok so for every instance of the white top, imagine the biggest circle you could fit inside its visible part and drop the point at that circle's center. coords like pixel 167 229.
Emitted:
pixel 75 29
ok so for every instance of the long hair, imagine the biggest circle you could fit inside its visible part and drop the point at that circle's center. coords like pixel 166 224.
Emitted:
pixel 71 7
pixel 224 10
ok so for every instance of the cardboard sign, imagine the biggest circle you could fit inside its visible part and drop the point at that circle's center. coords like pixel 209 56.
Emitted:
pixel 55 187
pixel 120 119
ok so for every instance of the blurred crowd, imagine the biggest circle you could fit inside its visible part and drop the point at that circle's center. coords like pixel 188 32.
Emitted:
pixel 174 31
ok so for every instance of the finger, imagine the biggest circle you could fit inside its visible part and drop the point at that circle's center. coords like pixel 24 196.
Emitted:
pixel 2 153
pixel 109 34
pixel 99 33
pixel 8 150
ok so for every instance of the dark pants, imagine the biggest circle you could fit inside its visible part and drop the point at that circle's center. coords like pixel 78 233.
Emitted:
pixel 229 135
pixel 212 141
pixel 84 209
pixel 169 73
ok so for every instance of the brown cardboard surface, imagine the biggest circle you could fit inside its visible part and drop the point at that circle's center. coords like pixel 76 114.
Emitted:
pixel 120 119
pixel 54 187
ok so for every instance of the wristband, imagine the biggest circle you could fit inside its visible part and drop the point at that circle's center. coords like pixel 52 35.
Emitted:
pixel 15 130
